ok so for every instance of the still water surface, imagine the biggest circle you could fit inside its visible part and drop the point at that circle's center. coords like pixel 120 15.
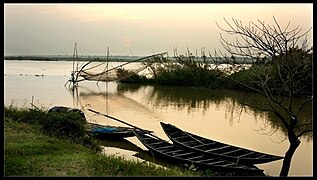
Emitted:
pixel 215 114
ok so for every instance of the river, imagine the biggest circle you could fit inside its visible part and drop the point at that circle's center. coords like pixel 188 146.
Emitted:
pixel 214 114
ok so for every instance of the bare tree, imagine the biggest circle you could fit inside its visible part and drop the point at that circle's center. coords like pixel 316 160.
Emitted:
pixel 281 71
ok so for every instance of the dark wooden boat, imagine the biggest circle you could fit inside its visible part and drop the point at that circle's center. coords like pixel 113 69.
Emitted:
pixel 99 131
pixel 186 157
pixel 217 149
pixel 146 155
pixel 120 144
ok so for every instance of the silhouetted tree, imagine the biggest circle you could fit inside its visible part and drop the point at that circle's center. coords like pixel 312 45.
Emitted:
pixel 281 71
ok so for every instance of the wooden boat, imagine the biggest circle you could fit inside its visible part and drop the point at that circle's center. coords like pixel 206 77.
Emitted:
pixel 217 149
pixel 99 131
pixel 183 156
pixel 146 155
pixel 119 132
pixel 120 144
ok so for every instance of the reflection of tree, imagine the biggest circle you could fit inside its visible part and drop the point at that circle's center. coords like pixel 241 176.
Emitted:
pixel 235 107
pixel 128 87
pixel 304 119
pixel 199 98
pixel 107 100
pixel 178 97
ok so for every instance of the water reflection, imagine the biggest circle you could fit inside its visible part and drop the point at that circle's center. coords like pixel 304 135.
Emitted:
pixel 192 99
pixel 215 114
pixel 177 96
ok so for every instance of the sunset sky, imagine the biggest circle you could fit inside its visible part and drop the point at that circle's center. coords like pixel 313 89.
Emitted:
pixel 135 28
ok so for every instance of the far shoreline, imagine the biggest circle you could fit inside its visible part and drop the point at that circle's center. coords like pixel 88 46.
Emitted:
pixel 47 58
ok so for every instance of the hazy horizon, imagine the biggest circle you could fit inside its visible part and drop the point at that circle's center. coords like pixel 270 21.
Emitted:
pixel 138 29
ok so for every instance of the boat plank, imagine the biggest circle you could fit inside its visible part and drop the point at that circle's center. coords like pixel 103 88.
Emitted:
pixel 243 155
pixel 187 153
pixel 175 151
pixel 195 157
pixel 156 143
pixel 181 156
pixel 202 145
pixel 164 147
pixel 236 150
pixel 215 148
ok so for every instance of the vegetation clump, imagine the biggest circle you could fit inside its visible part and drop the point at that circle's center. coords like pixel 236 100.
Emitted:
pixel 40 143
pixel 69 125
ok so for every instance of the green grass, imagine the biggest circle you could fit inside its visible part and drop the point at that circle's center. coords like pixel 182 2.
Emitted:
pixel 31 151
pixel 28 152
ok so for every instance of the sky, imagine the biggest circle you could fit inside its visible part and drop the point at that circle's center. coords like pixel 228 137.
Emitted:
pixel 135 29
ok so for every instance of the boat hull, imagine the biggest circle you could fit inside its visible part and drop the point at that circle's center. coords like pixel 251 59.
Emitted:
pixel 109 132
pixel 184 157
pixel 214 148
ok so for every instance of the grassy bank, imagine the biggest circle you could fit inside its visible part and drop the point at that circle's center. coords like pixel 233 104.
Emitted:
pixel 37 143
pixel 272 75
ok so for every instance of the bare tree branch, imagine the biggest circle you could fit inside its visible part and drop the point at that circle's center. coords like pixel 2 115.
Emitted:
pixel 283 70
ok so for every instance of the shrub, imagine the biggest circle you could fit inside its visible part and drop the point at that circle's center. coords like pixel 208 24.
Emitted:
pixel 69 125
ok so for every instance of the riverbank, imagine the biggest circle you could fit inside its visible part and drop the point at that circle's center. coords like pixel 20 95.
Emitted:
pixel 32 151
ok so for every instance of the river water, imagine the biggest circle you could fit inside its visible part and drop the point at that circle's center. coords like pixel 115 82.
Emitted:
pixel 214 114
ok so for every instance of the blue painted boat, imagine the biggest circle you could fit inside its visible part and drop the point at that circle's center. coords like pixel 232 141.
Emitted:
pixel 99 131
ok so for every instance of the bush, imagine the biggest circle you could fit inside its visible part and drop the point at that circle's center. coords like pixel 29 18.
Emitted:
pixel 69 125
pixel 189 76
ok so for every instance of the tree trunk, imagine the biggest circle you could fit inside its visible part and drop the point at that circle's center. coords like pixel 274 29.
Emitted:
pixel 294 143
